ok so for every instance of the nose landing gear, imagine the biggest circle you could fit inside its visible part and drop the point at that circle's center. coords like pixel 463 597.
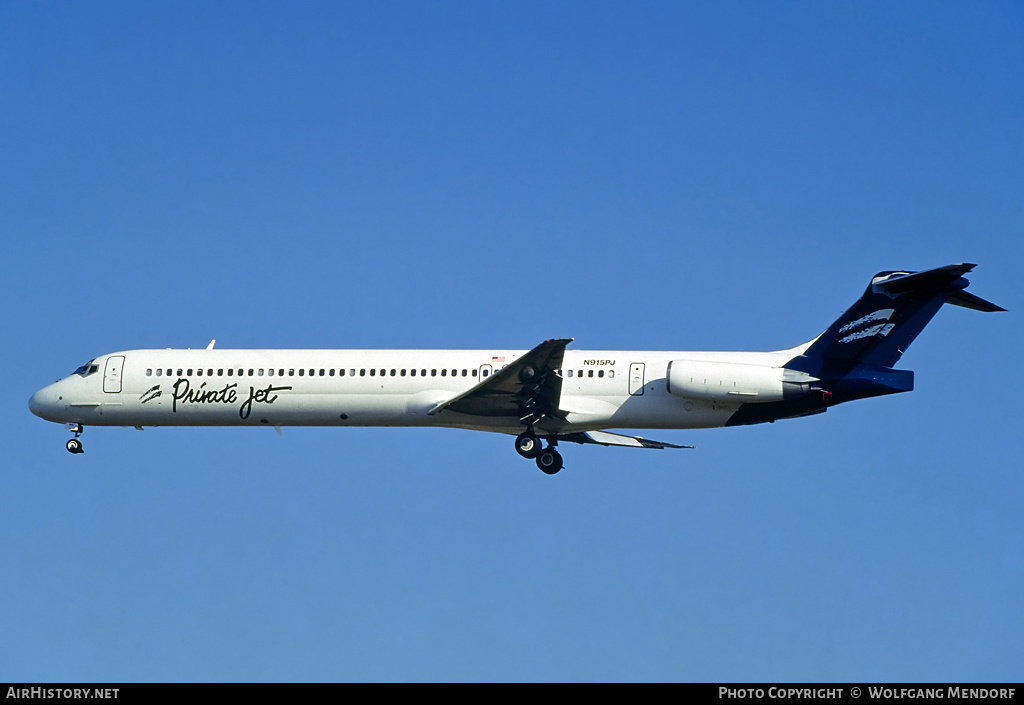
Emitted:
pixel 74 445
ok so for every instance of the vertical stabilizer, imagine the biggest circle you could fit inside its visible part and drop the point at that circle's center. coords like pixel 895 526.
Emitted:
pixel 882 324
pixel 853 359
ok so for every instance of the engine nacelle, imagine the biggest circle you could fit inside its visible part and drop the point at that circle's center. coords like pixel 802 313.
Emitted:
pixel 734 382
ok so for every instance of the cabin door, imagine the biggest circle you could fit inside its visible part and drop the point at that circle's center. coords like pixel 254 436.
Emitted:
pixel 112 373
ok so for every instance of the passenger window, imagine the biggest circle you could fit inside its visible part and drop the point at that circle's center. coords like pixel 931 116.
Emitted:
pixel 149 372
pixel 600 373
pixel 392 373
pixel 590 373
pixel 403 372
pixel 570 373
pixel 411 372
pixel 189 372
pixel 423 373
pixel 220 372
pixel 321 372
pixel 291 373
pixel 312 372
pixel 231 373
pixel 486 372
pixel 383 372
pixel 444 373
pixel 302 372
pixel 199 371
pixel 433 373
pixel 474 373
pixel 240 372
pixel 580 373
pixel 330 372
pixel 179 372
pixel 259 372
pixel 373 373
pixel 352 373
pixel 362 373
pixel 611 373
pixel 465 373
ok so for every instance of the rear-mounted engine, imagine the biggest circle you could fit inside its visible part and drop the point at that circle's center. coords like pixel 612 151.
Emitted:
pixel 735 382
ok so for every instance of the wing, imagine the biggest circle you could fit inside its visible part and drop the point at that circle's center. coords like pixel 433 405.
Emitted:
pixel 528 388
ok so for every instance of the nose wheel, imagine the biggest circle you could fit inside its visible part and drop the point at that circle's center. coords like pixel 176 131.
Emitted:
pixel 74 445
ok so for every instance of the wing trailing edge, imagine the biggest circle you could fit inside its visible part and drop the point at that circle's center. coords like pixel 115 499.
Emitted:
pixel 605 438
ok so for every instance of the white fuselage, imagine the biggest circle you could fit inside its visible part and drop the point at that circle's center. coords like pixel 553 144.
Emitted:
pixel 222 387
pixel 543 396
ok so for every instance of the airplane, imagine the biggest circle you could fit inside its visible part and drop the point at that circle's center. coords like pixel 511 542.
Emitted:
pixel 543 396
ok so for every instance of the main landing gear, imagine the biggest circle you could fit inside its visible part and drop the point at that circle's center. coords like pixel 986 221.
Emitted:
pixel 527 445
pixel 548 459
pixel 75 445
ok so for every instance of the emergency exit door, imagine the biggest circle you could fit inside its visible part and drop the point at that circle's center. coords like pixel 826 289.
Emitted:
pixel 636 379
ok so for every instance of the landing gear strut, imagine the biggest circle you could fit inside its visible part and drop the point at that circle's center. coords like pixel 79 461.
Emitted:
pixel 75 445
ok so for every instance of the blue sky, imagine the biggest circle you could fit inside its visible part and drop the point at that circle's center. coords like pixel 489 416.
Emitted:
pixel 657 175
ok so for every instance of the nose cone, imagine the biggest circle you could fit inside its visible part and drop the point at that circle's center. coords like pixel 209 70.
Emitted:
pixel 44 403
pixel 35 404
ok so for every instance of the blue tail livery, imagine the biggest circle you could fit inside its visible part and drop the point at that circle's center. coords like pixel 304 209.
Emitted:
pixel 853 358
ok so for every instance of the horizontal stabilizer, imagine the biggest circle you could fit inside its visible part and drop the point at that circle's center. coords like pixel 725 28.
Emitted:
pixel 975 303
pixel 894 283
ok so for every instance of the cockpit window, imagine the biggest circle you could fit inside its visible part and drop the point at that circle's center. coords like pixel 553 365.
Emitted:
pixel 86 369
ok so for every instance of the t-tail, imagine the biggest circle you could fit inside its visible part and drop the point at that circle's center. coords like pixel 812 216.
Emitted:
pixel 853 359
